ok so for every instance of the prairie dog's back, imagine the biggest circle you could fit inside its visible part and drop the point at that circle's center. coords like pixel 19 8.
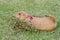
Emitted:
pixel 44 23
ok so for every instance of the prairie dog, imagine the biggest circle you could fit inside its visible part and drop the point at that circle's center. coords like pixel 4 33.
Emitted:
pixel 41 23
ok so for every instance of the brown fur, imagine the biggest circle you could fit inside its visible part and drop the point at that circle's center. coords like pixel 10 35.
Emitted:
pixel 44 23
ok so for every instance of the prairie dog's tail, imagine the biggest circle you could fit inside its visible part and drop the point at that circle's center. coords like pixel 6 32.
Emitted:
pixel 52 17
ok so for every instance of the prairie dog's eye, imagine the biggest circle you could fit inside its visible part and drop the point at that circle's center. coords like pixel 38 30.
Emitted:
pixel 19 13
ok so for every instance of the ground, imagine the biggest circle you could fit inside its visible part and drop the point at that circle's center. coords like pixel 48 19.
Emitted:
pixel 9 8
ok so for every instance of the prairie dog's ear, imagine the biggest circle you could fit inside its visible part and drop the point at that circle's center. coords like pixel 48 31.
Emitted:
pixel 24 13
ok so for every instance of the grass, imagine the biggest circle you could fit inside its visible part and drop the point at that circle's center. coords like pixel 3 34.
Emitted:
pixel 8 8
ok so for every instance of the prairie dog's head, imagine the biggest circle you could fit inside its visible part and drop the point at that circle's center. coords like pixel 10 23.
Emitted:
pixel 22 15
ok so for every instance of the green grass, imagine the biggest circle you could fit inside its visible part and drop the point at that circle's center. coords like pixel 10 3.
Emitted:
pixel 9 8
